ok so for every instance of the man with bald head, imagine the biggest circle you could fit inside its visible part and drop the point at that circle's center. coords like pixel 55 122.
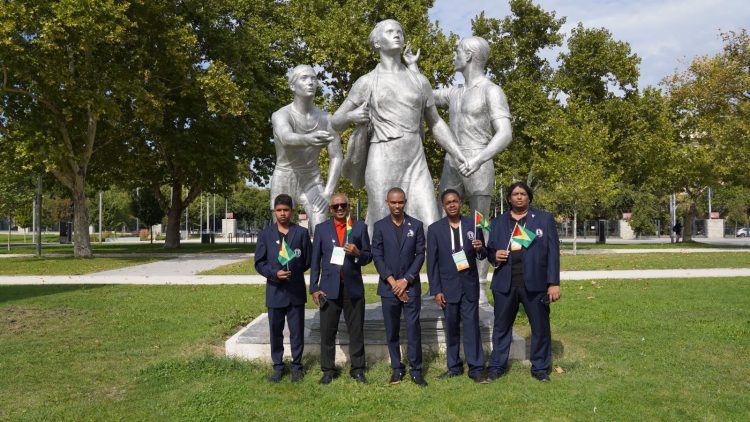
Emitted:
pixel 300 131
pixel 340 249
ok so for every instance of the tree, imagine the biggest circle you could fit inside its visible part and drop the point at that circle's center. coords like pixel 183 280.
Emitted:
pixel 65 67
pixel 573 164
pixel 146 207
pixel 213 73
pixel 711 110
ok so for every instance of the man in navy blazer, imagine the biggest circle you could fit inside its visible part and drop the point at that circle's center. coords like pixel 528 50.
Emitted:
pixel 453 247
pixel 398 246
pixel 285 285
pixel 528 275
pixel 336 285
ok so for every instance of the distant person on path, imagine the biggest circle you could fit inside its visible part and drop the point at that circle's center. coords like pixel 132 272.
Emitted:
pixel 282 255
pixel 398 248
pixel 525 250
pixel 300 131
pixel 677 229
pixel 341 248
pixel 453 247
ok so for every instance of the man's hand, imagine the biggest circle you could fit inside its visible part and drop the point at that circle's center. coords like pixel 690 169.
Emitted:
pixel 473 166
pixel 319 138
pixel 403 297
pixel 283 275
pixel 501 256
pixel 440 300
pixel 553 292
pixel 399 287
pixel 360 114
pixel 316 296
pixel 464 165
pixel 477 244
pixel 351 249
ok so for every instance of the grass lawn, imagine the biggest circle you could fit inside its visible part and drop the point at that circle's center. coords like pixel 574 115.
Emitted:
pixel 681 245
pixel 66 266
pixel 662 260
pixel 142 247
pixel 27 238
pixel 631 350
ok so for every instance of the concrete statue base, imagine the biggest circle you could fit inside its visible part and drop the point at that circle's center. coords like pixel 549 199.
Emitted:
pixel 252 341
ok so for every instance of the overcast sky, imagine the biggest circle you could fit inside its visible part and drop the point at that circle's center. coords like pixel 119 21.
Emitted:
pixel 665 34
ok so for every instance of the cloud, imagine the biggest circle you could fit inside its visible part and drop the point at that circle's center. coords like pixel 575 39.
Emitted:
pixel 666 34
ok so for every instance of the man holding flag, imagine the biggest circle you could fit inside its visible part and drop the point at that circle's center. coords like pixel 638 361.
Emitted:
pixel 340 249
pixel 525 250
pixel 282 255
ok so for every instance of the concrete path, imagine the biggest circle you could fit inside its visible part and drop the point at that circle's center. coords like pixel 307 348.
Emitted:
pixel 369 279
pixel 182 265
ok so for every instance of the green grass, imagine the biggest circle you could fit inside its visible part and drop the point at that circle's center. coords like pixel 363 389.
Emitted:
pixel 681 245
pixel 66 266
pixel 631 350
pixel 639 261
pixel 142 247
pixel 28 238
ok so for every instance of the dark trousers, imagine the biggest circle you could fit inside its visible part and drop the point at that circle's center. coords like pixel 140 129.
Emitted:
pixel 506 308
pixel 392 308
pixel 354 315
pixel 468 312
pixel 295 317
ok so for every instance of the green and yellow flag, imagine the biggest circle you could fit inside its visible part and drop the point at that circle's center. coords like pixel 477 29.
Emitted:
pixel 349 224
pixel 286 253
pixel 522 236
pixel 481 221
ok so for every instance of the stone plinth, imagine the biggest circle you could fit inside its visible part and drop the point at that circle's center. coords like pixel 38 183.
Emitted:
pixel 626 232
pixel 715 228
pixel 228 226
pixel 252 341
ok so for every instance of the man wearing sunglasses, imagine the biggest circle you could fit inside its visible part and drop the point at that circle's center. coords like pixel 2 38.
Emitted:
pixel 338 254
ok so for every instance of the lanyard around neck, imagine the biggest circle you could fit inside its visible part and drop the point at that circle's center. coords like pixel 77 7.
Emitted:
pixel 460 237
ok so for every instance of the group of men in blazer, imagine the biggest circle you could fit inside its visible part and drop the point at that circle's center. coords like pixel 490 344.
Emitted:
pixel 341 247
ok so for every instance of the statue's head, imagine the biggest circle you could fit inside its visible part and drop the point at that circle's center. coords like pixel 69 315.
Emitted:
pixel 303 80
pixel 380 34
pixel 474 49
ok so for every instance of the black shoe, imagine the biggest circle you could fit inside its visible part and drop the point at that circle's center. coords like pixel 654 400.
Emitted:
pixel 540 376
pixel 396 377
pixel 448 374
pixel 419 380
pixel 297 376
pixel 326 378
pixel 360 378
pixel 478 378
pixel 276 376
pixel 494 375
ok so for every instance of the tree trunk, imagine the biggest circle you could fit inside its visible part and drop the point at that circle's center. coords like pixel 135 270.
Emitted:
pixel 687 230
pixel 575 232
pixel 174 213
pixel 81 240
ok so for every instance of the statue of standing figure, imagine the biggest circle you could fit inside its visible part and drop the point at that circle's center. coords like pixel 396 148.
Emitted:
pixel 480 121
pixel 387 105
pixel 300 131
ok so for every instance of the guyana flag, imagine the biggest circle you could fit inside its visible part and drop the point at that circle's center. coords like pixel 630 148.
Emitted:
pixel 349 224
pixel 481 221
pixel 286 253
pixel 522 236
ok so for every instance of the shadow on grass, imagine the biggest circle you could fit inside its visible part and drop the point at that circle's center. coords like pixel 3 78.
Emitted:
pixel 13 293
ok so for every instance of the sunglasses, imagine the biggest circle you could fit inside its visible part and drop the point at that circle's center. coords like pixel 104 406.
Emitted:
pixel 339 206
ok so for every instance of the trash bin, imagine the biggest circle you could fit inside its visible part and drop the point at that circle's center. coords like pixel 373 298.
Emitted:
pixel 66 232
pixel 602 232
pixel 208 238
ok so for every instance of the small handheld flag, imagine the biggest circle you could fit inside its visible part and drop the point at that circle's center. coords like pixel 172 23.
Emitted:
pixel 349 224
pixel 481 221
pixel 286 253
pixel 522 236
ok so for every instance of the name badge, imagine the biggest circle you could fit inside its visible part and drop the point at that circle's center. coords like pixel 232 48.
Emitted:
pixel 459 258
pixel 338 255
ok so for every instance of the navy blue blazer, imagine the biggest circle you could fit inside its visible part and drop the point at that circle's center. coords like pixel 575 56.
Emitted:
pixel 280 294
pixel 441 270
pixel 326 276
pixel 400 260
pixel 541 260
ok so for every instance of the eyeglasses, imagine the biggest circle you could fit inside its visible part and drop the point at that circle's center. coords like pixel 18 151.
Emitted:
pixel 339 206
